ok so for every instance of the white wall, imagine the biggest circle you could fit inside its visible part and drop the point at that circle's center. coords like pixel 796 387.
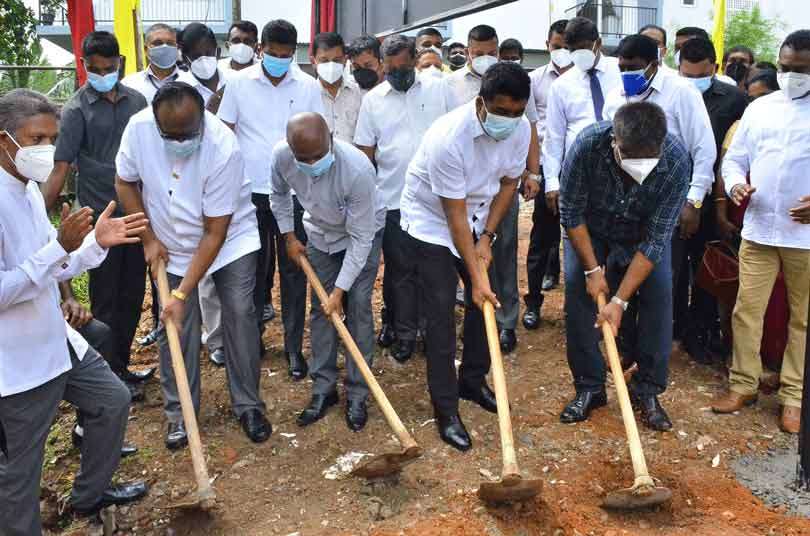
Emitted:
pixel 524 20
pixel 298 12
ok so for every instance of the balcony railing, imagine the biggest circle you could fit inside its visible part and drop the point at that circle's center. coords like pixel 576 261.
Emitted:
pixel 173 12
pixel 615 20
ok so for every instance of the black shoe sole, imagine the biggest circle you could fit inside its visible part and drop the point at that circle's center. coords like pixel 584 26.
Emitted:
pixel 596 404
pixel 331 400
pixel 177 445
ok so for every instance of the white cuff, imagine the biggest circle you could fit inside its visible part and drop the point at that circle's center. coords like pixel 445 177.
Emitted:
pixel 552 184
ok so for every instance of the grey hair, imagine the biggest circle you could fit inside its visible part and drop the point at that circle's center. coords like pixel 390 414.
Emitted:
pixel 19 105
pixel 158 27
pixel 395 44
pixel 640 125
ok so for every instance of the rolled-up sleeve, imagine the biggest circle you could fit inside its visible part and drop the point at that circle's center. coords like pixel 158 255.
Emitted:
pixel 573 189
pixel 737 162
pixel 360 225
pixel 281 200
pixel 554 139
pixel 671 200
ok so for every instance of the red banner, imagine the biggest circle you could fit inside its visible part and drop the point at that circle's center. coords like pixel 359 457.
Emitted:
pixel 81 21
pixel 323 11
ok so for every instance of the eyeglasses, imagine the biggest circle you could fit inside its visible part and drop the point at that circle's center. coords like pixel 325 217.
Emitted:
pixel 180 137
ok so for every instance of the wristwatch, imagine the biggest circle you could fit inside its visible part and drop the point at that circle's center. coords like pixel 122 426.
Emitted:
pixel 177 293
pixel 492 236
pixel 536 178
pixel 698 204
pixel 620 302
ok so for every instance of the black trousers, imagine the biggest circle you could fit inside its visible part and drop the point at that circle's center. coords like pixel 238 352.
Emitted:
pixel 543 257
pixel 100 337
pixel 439 271
pixel 401 289
pixel 116 296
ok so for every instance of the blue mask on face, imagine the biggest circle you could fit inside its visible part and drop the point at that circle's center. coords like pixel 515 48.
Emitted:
pixel 276 67
pixel 499 127
pixel 184 148
pixel 702 84
pixel 318 168
pixel 102 84
pixel 635 82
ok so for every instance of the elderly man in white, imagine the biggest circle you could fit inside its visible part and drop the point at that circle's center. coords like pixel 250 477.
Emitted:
pixel 183 167
pixel 42 359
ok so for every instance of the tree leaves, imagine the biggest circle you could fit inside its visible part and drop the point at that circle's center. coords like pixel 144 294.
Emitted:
pixel 752 29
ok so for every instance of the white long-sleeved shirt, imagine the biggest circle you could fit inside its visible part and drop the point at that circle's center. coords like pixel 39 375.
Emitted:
pixel 570 109
pixel 541 78
pixel 687 120
pixel 33 333
pixel 772 147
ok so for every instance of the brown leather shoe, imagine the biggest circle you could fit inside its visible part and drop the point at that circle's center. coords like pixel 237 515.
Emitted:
pixel 731 402
pixel 789 423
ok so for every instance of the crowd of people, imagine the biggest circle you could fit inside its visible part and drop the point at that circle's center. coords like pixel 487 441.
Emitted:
pixel 231 170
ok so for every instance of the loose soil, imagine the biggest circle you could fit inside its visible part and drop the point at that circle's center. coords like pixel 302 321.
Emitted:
pixel 278 487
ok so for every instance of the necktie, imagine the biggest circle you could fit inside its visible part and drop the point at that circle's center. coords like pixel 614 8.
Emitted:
pixel 597 96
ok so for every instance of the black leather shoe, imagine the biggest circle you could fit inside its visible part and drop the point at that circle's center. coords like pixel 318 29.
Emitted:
pixel 549 283
pixel 135 390
pixel 508 340
pixel 531 318
pixel 217 357
pixel 483 396
pixel 580 408
pixel 452 432
pixel 126 448
pixel 387 336
pixel 176 436
pixel 150 338
pixel 317 408
pixel 256 426
pixel 296 366
pixel 403 351
pixel 118 495
pixel 268 312
pixel 356 414
pixel 138 375
pixel 652 414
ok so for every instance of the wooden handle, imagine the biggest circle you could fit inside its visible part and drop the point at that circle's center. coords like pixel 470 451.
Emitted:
pixel 630 428
pixel 391 416
pixel 189 417
pixel 510 466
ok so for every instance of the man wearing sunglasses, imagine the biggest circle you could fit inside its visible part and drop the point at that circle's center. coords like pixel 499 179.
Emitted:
pixel 183 166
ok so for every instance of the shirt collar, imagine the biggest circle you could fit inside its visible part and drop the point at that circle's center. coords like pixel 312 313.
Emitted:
pixel 94 96
pixel 256 72
pixel 386 86
pixel 605 149
pixel 149 74
pixel 11 182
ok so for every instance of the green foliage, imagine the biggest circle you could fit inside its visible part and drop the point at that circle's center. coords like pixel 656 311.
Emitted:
pixel 752 29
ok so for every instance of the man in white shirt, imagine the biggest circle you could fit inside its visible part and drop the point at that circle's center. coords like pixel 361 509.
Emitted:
pixel 344 221
pixel 393 119
pixel 183 167
pixel 42 359
pixel 161 51
pixel 200 51
pixel 341 97
pixel 659 35
pixel 257 106
pixel 576 99
pixel 243 42
pixel 772 148
pixel 543 256
pixel 458 188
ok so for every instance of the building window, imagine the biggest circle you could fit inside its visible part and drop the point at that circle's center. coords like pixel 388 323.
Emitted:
pixel 740 5
pixel 688 3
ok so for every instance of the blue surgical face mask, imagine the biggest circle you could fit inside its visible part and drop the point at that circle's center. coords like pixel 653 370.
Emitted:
pixel 276 67
pixel 635 82
pixel 318 168
pixel 702 84
pixel 499 127
pixel 184 148
pixel 104 83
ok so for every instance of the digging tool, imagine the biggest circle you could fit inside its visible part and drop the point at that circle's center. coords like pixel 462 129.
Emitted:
pixel 512 487
pixel 383 464
pixel 205 498
pixel 644 492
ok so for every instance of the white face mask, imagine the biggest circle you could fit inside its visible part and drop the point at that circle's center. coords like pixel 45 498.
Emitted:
pixel 34 162
pixel 436 49
pixel 242 53
pixel 638 168
pixel 561 57
pixel 480 64
pixel 204 67
pixel 584 59
pixel 330 71
pixel 431 71
pixel 794 85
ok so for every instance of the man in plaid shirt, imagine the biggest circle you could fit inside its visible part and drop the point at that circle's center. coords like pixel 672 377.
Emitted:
pixel 623 186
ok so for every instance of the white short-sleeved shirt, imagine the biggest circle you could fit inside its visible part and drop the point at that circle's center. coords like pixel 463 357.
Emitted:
pixel 201 88
pixel 458 160
pixel 229 72
pixel 261 111
pixel 147 84
pixel 342 110
pixel 462 86
pixel 179 193
pixel 395 122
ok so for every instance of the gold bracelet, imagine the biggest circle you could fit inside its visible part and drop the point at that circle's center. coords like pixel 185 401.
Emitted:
pixel 720 199
pixel 179 295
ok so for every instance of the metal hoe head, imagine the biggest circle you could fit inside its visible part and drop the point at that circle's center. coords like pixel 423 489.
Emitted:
pixel 509 490
pixel 636 498
pixel 204 500
pixel 387 464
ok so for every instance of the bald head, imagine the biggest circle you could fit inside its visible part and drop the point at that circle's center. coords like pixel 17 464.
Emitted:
pixel 308 137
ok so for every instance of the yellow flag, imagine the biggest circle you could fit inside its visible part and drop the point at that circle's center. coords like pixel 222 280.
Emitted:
pixel 719 33
pixel 126 26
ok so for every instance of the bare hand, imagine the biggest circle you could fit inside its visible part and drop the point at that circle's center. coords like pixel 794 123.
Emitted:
pixel 295 250
pixel 116 231
pixel 74 227
pixel 741 192
pixel 75 313
pixel 801 213
pixel 612 314
pixel 174 309
pixel 689 221
pixel 335 304
pixel 553 201
pixel 154 251
pixel 483 293
pixel 483 250
pixel 726 229
pixel 531 188
pixel 596 284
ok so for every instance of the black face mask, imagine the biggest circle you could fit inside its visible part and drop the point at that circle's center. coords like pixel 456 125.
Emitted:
pixel 401 79
pixel 365 78
pixel 457 60
pixel 737 71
